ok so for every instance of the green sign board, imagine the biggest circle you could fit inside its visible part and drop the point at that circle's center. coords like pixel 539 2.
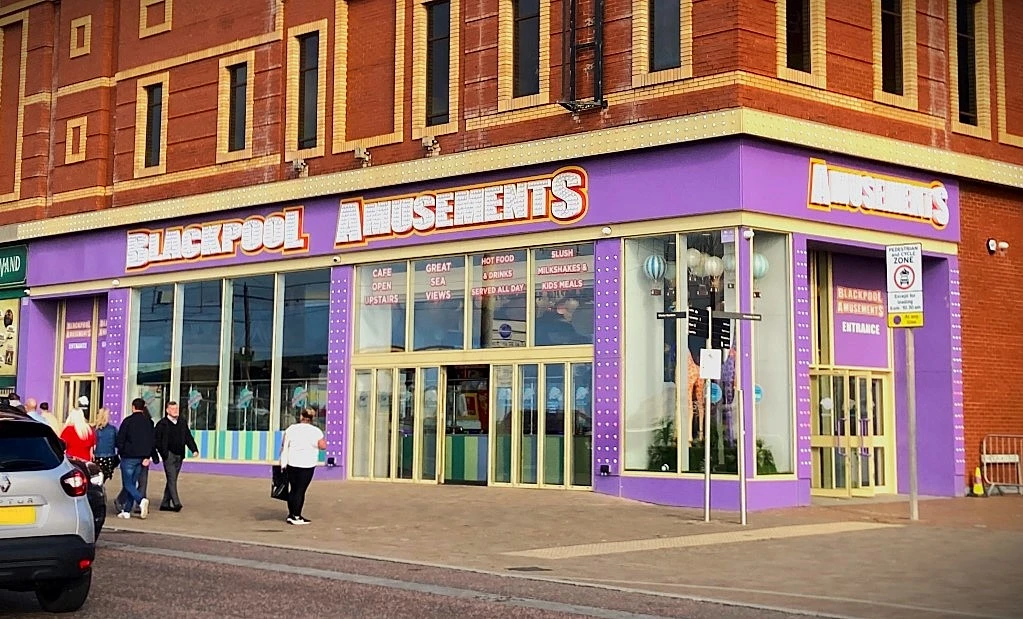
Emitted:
pixel 13 265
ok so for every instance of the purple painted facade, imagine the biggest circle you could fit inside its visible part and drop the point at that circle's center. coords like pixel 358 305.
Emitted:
pixel 705 178
pixel 77 347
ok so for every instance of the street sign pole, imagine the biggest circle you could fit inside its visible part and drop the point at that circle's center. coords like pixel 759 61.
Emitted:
pixel 914 507
pixel 706 426
pixel 905 307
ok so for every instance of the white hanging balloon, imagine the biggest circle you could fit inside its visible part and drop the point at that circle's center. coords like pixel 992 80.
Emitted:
pixel 729 262
pixel 713 266
pixel 693 258
pixel 759 266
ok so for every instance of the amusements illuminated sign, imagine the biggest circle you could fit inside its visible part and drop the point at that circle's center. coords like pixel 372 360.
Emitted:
pixel 836 187
pixel 559 197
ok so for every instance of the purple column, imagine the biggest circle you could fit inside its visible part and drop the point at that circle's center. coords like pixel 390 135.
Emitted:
pixel 607 353
pixel 955 316
pixel 37 354
pixel 338 360
pixel 804 354
pixel 118 315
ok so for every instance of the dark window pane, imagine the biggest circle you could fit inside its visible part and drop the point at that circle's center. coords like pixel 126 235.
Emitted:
pixel 665 35
pixel 304 345
pixel 199 397
pixel 797 34
pixel 154 118
pixel 438 54
pixel 236 118
pixel 966 32
pixel 252 319
pixel 526 36
pixel 891 46
pixel 308 88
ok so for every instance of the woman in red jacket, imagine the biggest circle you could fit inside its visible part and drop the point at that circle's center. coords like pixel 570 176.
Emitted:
pixel 78 436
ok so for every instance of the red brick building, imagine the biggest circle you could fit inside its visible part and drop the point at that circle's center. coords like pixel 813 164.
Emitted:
pixel 117 114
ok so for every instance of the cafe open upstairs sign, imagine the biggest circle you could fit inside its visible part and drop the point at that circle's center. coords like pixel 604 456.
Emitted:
pixel 560 197
pixel 837 187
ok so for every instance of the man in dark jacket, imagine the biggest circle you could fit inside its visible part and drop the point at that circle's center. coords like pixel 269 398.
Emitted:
pixel 136 445
pixel 172 436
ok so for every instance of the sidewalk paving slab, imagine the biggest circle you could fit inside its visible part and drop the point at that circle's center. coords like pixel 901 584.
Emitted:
pixel 859 559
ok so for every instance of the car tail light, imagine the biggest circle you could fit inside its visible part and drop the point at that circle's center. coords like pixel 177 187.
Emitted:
pixel 75 483
pixel 84 564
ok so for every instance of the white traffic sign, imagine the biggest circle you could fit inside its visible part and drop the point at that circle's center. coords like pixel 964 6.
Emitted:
pixel 905 285
pixel 710 364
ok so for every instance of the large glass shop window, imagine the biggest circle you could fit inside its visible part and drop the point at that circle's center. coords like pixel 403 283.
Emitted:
pixel 252 322
pixel 382 300
pixel 666 423
pixel 200 352
pixel 772 336
pixel 231 370
pixel 563 292
pixel 439 291
pixel 498 288
pixel 304 345
pixel 152 372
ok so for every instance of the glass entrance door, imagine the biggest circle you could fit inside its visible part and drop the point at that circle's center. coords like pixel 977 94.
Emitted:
pixel 74 387
pixel 850 436
pixel 466 424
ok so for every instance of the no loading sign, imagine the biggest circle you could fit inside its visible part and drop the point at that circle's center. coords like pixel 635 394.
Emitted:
pixel 904 277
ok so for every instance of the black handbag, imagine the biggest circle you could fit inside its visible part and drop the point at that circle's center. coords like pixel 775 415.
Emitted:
pixel 279 484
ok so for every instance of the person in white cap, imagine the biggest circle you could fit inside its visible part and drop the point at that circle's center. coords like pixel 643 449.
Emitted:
pixel 83 404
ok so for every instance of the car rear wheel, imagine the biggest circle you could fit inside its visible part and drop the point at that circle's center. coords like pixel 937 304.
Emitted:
pixel 65 596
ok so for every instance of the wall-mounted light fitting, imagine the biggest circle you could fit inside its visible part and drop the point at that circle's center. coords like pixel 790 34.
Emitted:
pixel 362 154
pixel 431 146
pixel 994 246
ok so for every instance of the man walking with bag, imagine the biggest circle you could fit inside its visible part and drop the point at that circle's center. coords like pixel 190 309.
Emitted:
pixel 172 437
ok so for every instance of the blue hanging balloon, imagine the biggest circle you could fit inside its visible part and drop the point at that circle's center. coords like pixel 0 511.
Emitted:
pixel 654 267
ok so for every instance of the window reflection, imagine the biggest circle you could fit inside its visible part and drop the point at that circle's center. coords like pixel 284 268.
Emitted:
pixel 382 301
pixel 439 286
pixel 153 355
pixel 563 292
pixel 252 314
pixel 304 345
pixel 200 353
pixel 498 288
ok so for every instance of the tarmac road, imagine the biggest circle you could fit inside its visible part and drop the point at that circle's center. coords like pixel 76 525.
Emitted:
pixel 151 575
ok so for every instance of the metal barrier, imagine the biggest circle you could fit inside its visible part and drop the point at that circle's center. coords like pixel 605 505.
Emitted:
pixel 1000 456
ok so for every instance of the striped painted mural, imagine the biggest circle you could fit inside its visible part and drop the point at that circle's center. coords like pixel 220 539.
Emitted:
pixel 240 446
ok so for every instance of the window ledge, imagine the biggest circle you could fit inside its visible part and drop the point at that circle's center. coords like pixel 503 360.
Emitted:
pixel 151 171
pixel 802 77
pixel 523 102
pixel 977 131
pixel 419 133
pixel 907 101
pixel 677 74
pixel 304 153
pixel 237 155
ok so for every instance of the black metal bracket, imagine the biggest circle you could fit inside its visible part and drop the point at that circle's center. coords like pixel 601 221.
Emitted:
pixel 571 49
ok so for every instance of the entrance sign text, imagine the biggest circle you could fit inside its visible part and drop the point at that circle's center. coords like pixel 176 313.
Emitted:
pixel 559 197
pixel 877 194
pixel 277 232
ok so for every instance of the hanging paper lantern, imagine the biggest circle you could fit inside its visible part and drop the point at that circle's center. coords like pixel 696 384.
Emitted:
pixel 729 261
pixel 654 267
pixel 760 266
pixel 713 266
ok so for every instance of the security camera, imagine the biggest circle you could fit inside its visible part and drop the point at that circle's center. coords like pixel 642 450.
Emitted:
pixel 299 164
pixel 336 259
pixel 747 234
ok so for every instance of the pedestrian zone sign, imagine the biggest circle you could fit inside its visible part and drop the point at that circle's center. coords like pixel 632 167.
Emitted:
pixel 905 285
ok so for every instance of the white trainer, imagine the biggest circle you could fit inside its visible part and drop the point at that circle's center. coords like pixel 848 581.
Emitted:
pixel 124 515
pixel 144 508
